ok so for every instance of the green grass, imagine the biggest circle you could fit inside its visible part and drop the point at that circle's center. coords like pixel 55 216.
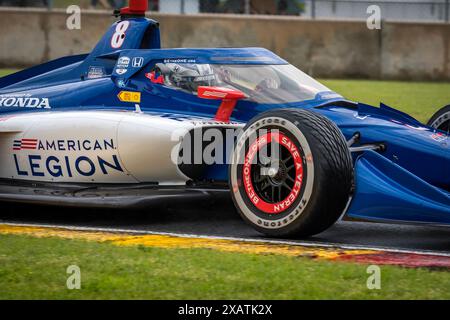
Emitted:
pixel 5 72
pixel 33 268
pixel 419 99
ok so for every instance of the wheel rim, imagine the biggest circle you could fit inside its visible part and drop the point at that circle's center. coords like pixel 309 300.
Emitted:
pixel 442 122
pixel 445 126
pixel 243 202
pixel 273 189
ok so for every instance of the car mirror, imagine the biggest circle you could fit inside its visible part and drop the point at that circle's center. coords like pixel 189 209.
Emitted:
pixel 219 93
pixel 229 98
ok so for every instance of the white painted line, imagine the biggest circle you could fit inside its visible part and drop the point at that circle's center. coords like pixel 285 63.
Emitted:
pixel 249 240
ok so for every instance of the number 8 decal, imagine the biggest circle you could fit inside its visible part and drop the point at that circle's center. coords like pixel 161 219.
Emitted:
pixel 118 37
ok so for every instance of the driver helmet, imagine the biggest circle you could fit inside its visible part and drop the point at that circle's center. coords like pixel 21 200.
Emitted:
pixel 186 76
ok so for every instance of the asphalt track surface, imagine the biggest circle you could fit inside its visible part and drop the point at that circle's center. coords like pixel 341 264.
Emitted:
pixel 219 219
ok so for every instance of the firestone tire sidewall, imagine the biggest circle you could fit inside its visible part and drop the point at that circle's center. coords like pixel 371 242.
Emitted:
pixel 272 224
pixel 440 118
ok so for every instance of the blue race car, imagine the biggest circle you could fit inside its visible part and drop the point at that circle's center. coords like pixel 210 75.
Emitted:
pixel 130 124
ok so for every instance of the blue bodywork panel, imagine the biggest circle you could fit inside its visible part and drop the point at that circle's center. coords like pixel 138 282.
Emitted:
pixel 409 181
pixel 386 191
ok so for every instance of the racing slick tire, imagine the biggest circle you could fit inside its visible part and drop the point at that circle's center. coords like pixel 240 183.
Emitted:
pixel 312 185
pixel 441 119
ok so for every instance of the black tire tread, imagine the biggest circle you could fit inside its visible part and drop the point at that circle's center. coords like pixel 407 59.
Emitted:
pixel 438 114
pixel 333 172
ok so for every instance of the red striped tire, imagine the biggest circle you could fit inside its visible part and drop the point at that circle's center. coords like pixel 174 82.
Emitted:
pixel 305 186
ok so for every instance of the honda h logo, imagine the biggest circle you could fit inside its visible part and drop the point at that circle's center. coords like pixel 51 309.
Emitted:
pixel 138 62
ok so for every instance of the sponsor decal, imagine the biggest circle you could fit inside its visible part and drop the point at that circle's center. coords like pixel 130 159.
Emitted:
pixel 64 145
pixel 25 144
pixel 129 96
pixel 122 65
pixel 65 166
pixel 184 60
pixel 121 83
pixel 138 62
pixel 120 34
pixel 439 137
pixel 123 62
pixel 57 165
pixel 23 101
pixel 96 72
pixel 215 94
pixel 121 71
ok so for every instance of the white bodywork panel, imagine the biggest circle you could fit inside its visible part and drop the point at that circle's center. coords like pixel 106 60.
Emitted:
pixel 93 147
